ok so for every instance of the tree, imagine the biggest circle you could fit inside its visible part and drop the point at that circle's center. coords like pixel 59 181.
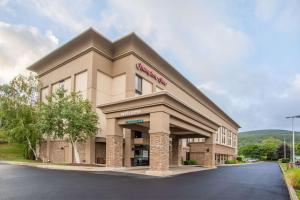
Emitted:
pixel 18 114
pixel 68 116
pixel 251 151
pixel 269 147
pixel 280 151
pixel 297 148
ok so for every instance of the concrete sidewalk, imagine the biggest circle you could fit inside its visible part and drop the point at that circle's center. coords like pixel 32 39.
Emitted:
pixel 174 170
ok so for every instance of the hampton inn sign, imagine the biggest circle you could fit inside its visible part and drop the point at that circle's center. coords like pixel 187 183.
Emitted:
pixel 150 73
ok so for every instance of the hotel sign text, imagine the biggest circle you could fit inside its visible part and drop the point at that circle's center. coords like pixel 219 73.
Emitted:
pixel 130 113
pixel 151 73
pixel 137 121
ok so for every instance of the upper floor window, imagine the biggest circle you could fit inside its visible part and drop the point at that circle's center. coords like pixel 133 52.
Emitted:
pixel 228 137
pixel 81 84
pixel 234 140
pixel 142 86
pixel 158 89
pixel 217 135
pixel 44 94
pixel 223 135
pixel 63 84
pixel 138 85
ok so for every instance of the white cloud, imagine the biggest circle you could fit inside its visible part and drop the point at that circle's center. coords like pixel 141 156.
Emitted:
pixel 213 86
pixel 296 81
pixel 196 31
pixel 283 14
pixel 20 46
pixel 3 3
pixel 289 17
pixel 68 13
pixel 266 9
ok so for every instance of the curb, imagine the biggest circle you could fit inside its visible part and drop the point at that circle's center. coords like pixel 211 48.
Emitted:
pixel 98 169
pixel 239 164
pixel 292 192
pixel 57 167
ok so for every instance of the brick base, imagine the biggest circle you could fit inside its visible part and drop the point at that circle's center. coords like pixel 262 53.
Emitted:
pixel 176 151
pixel 159 152
pixel 114 151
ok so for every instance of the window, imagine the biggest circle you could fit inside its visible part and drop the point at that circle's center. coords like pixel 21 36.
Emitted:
pixel 81 84
pixel 64 84
pixel 158 89
pixel 138 85
pixel 228 137
pixel 146 87
pixel 137 134
pixel 217 135
pixel 44 94
pixel 234 140
pixel 223 135
pixel 61 85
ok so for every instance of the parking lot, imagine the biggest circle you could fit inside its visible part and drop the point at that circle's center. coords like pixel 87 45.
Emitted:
pixel 253 181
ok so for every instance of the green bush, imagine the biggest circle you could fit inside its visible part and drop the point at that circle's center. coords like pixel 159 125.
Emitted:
pixel 285 160
pixel 190 162
pixel 230 161
pixel 239 158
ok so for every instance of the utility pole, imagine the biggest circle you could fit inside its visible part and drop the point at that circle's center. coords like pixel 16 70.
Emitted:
pixel 284 148
pixel 293 131
pixel 293 140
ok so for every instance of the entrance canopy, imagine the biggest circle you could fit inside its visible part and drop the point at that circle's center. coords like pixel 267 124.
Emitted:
pixel 134 113
pixel 160 114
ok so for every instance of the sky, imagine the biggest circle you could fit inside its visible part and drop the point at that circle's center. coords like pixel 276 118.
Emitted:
pixel 244 55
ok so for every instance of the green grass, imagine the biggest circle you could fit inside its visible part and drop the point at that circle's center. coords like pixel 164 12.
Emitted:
pixel 298 193
pixel 293 177
pixel 12 152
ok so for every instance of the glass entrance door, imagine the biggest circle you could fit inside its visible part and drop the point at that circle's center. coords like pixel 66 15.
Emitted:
pixel 141 155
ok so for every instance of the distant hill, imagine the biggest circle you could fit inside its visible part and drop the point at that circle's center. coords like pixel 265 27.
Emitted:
pixel 255 137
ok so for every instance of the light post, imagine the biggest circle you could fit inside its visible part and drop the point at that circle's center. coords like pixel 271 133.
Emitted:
pixel 284 148
pixel 293 117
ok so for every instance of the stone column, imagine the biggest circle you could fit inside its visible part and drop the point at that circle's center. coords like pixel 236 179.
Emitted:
pixel 209 159
pixel 128 148
pixel 176 151
pixel 159 143
pixel 114 144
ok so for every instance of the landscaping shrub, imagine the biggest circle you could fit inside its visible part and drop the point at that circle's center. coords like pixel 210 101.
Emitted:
pixel 239 158
pixel 190 162
pixel 230 161
pixel 193 162
pixel 285 160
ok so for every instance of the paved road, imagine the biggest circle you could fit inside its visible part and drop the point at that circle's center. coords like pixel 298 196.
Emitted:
pixel 257 181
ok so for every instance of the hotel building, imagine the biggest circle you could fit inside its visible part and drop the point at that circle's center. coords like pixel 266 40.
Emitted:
pixel 149 114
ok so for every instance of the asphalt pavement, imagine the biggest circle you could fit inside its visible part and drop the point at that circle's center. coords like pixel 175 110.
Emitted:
pixel 255 181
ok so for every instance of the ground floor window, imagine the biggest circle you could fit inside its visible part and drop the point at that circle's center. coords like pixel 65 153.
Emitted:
pixel 141 155
pixel 221 158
